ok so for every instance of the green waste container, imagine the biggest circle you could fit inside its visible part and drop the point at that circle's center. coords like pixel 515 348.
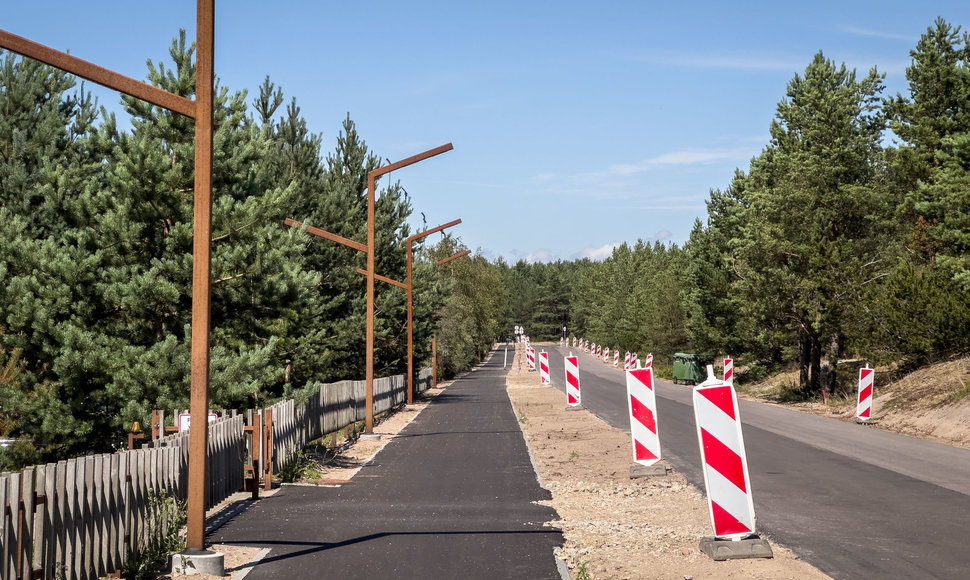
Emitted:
pixel 690 368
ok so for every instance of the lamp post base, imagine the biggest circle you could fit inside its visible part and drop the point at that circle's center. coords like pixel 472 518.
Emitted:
pixel 192 562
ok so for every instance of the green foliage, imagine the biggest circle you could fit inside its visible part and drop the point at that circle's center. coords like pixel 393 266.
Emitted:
pixel 166 517
pixel 471 312
pixel 96 273
pixel 917 316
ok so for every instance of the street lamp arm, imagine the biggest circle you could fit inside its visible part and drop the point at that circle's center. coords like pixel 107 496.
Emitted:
pixel 454 257
pixel 384 279
pixel 97 74
pixel 410 160
pixel 327 235
pixel 433 230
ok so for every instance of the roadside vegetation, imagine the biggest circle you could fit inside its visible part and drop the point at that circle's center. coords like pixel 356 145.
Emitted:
pixel 846 238
pixel 95 271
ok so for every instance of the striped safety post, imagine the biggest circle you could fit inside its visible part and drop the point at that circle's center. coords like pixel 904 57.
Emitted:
pixel 531 357
pixel 616 358
pixel 573 393
pixel 634 361
pixel 648 362
pixel 725 464
pixel 606 354
pixel 586 345
pixel 626 361
pixel 729 371
pixel 599 350
pixel 544 368
pixel 863 409
pixel 642 403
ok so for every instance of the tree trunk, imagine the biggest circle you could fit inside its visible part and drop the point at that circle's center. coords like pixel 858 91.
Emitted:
pixel 804 358
pixel 816 363
pixel 835 353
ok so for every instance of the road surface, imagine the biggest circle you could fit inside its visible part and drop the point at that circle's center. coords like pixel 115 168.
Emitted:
pixel 855 501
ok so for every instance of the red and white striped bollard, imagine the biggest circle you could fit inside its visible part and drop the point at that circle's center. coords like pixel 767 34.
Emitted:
pixel 722 455
pixel 573 393
pixel 642 404
pixel 544 368
pixel 863 409
pixel 729 371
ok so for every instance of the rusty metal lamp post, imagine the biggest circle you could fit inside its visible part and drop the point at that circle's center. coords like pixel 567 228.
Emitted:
pixel 434 336
pixel 410 290
pixel 201 111
pixel 369 272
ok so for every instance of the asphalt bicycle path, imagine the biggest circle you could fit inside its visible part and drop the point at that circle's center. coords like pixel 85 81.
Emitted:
pixel 852 500
pixel 450 497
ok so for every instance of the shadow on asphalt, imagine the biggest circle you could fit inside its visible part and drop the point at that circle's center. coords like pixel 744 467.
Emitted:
pixel 407 436
pixel 323 546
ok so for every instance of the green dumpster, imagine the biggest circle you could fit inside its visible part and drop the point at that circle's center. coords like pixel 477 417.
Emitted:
pixel 690 368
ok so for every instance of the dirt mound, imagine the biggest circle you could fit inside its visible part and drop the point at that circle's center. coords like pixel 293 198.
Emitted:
pixel 930 403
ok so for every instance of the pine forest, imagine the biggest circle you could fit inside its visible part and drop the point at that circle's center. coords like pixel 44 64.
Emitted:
pixel 848 236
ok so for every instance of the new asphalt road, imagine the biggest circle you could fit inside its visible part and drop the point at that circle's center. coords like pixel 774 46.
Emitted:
pixel 853 500
pixel 451 497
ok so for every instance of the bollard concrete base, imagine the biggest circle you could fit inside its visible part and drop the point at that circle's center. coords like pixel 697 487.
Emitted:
pixel 656 470
pixel 369 436
pixel 191 562
pixel 753 547
pixel 575 408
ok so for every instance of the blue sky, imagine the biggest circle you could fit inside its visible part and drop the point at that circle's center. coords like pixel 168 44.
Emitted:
pixel 576 125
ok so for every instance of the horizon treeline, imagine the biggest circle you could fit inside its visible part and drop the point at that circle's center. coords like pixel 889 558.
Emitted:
pixel 848 236
pixel 96 261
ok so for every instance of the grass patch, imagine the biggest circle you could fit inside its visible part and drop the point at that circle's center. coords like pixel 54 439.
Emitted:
pixel 166 519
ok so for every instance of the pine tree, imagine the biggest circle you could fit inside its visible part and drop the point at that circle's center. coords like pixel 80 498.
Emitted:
pixel 813 236
pixel 932 164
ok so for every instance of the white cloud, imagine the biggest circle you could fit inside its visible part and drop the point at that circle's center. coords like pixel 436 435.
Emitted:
pixel 878 33
pixel 674 158
pixel 597 254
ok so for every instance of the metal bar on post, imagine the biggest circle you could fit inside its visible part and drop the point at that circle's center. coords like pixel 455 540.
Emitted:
pixel 201 261
pixel 327 235
pixel 97 74
pixel 454 257
pixel 384 279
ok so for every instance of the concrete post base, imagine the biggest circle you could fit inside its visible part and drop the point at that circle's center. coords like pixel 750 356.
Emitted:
pixel 198 562
pixel 656 470
pixel 753 547
pixel 575 408
pixel 370 436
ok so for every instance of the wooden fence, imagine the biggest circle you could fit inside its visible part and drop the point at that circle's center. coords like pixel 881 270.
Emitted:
pixel 81 518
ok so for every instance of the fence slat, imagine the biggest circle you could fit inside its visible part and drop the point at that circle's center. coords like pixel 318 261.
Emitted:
pixel 27 528
pixel 6 551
